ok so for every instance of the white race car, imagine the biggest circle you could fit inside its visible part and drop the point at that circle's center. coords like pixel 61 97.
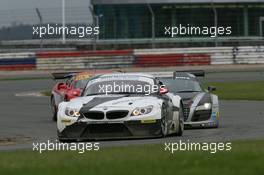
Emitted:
pixel 122 105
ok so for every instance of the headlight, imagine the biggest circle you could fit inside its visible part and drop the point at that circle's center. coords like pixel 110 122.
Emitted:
pixel 72 112
pixel 205 106
pixel 142 111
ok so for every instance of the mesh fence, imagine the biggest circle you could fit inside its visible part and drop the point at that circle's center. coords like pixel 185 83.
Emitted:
pixel 135 21
pixel 120 23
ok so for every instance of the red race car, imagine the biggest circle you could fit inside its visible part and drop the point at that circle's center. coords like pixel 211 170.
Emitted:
pixel 71 88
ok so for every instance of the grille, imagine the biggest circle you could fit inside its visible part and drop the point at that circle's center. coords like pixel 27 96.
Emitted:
pixel 186 112
pixel 106 130
pixel 201 115
pixel 94 115
pixel 116 114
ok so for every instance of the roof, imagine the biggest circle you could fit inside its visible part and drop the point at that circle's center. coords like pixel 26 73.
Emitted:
pixel 98 2
pixel 185 76
pixel 128 74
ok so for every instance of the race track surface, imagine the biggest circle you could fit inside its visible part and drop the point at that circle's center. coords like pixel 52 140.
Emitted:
pixel 28 119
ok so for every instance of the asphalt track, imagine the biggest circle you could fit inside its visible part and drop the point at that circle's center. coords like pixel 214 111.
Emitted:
pixel 25 120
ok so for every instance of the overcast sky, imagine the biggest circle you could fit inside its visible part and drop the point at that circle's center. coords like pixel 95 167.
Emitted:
pixel 23 11
pixel 29 4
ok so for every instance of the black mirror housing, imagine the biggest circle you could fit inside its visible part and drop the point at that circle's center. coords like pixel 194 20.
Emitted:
pixel 211 88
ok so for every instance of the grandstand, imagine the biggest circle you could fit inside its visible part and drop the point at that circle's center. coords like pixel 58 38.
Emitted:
pixel 145 19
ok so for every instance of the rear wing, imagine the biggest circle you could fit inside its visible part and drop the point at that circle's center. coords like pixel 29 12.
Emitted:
pixel 197 73
pixel 63 75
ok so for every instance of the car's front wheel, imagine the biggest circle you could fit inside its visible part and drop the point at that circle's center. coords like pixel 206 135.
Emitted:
pixel 180 122
pixel 53 109
pixel 163 122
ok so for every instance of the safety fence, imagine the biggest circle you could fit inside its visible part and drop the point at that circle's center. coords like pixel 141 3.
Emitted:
pixel 66 60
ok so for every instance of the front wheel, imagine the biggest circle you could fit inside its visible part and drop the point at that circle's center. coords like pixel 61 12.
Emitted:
pixel 163 122
pixel 53 109
pixel 179 132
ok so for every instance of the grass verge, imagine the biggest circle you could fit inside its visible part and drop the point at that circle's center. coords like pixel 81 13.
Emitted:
pixel 230 90
pixel 239 90
pixel 246 157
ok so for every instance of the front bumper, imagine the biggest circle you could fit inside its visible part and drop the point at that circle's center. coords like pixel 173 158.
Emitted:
pixel 117 130
pixel 204 124
pixel 202 119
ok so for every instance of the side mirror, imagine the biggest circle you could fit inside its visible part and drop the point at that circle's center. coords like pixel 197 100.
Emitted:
pixel 163 90
pixel 62 86
pixel 211 88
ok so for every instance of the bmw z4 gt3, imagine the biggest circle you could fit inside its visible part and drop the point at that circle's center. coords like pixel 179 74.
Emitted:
pixel 122 105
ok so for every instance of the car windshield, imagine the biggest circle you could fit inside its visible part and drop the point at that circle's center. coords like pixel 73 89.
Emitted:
pixel 121 87
pixel 80 84
pixel 181 85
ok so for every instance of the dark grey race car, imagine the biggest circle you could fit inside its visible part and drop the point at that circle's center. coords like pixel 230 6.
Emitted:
pixel 201 107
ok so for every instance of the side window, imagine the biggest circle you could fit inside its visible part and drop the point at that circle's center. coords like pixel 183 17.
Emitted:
pixel 69 81
pixel 158 82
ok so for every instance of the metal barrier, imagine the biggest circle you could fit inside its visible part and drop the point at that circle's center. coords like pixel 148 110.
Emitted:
pixel 84 59
pixel 218 55
pixel 63 60
pixel 17 61
pixel 171 60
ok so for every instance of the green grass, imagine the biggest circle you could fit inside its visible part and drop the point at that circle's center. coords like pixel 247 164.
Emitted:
pixel 230 90
pixel 246 157
pixel 240 90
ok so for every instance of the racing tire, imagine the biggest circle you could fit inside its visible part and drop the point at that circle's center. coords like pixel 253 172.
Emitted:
pixel 181 124
pixel 53 109
pixel 163 123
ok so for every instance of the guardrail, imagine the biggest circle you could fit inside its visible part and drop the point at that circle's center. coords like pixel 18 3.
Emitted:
pixel 63 60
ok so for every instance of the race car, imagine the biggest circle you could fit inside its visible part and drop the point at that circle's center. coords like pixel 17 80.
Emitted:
pixel 71 88
pixel 201 107
pixel 123 105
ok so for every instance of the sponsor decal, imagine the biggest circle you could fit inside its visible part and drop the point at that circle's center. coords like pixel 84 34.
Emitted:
pixel 66 121
pixel 148 121
pixel 83 76
pixel 214 114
